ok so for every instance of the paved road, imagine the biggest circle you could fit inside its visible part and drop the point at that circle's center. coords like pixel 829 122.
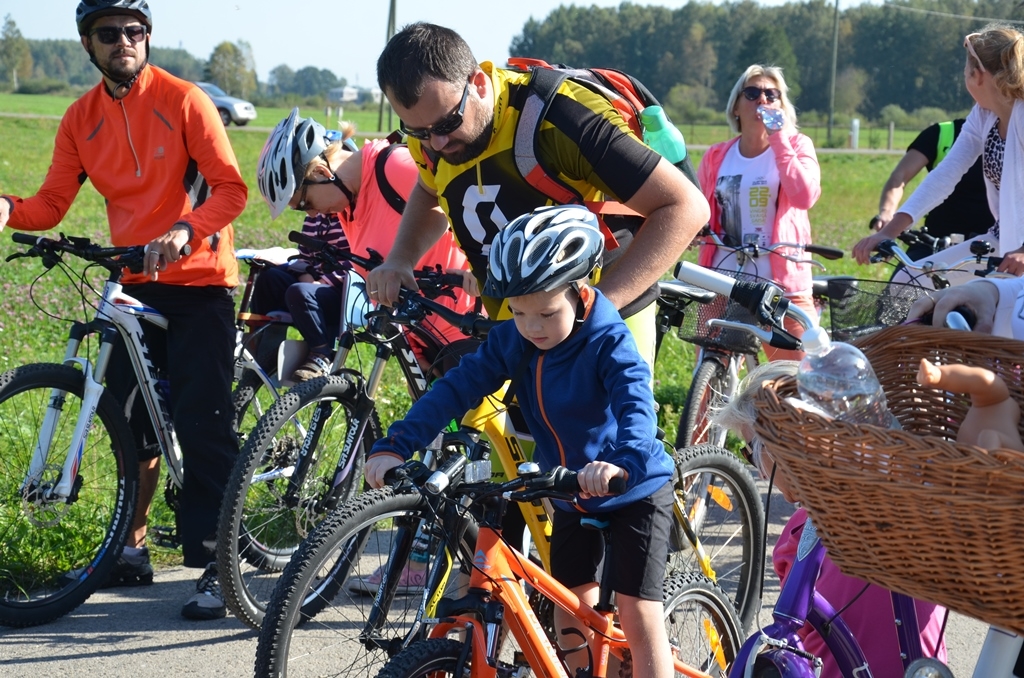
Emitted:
pixel 138 632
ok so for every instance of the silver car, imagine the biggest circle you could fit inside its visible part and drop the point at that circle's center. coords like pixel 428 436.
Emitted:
pixel 231 109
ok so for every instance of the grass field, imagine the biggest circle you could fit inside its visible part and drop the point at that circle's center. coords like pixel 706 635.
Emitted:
pixel 850 187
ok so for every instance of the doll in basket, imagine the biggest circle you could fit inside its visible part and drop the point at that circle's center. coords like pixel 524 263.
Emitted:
pixel 992 422
pixel 871 605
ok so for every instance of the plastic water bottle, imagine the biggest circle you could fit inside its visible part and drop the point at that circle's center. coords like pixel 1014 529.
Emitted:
pixel 838 379
pixel 662 135
pixel 773 118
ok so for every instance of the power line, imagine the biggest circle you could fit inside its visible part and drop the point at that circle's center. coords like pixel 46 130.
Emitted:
pixel 904 8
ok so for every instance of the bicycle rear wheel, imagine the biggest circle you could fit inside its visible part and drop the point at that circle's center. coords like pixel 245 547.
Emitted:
pixel 709 389
pixel 55 554
pixel 260 525
pixel 315 622
pixel 721 502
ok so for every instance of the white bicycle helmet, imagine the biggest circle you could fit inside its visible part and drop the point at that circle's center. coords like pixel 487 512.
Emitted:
pixel 539 251
pixel 293 144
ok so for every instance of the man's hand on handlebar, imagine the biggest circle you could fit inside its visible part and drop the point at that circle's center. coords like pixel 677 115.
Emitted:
pixel 163 250
pixel 470 285
pixel 385 282
pixel 376 466
pixel 981 297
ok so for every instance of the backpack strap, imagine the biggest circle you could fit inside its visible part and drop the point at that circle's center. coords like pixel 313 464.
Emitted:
pixel 544 83
pixel 392 196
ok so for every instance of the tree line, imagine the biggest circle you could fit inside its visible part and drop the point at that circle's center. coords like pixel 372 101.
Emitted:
pixel 42 66
pixel 893 55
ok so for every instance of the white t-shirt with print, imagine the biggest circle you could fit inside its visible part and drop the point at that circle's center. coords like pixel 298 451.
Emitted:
pixel 747 192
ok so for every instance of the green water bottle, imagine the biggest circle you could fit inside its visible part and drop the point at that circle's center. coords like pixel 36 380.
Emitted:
pixel 665 138
pixel 662 135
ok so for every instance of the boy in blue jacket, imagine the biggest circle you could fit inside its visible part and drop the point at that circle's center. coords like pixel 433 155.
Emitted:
pixel 588 403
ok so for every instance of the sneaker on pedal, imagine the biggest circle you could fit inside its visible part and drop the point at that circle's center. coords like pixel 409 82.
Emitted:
pixel 411 581
pixel 129 570
pixel 207 602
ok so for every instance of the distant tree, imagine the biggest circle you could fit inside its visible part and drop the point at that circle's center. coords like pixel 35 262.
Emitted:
pixel 177 62
pixel 311 81
pixel 850 90
pixel 768 44
pixel 282 80
pixel 229 69
pixel 63 60
pixel 15 54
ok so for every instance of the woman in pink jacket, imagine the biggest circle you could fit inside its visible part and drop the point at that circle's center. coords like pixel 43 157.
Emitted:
pixel 761 184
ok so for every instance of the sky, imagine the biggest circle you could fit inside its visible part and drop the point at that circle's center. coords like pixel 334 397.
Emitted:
pixel 345 36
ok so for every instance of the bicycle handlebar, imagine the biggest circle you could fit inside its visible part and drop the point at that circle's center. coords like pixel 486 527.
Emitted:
pixel 979 250
pixel 110 258
pixel 336 253
pixel 754 249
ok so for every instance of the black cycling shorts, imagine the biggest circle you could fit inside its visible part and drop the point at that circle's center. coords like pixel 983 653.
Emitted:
pixel 639 533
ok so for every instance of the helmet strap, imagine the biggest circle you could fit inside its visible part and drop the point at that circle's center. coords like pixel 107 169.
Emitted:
pixel 336 180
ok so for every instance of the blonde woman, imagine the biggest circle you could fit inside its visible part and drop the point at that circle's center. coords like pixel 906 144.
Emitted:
pixel 761 184
pixel 994 131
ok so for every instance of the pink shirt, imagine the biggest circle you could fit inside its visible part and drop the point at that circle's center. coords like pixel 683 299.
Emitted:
pixel 374 224
pixel 870 618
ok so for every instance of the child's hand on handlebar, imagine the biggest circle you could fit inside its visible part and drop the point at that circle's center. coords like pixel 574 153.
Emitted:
pixel 1013 263
pixel 595 476
pixel 376 466
pixel 979 296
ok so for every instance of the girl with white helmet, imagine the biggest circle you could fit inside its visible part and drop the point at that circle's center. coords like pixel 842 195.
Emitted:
pixel 350 197
pixel 585 393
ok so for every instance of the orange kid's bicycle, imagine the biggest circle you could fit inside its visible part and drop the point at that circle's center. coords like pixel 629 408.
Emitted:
pixel 470 636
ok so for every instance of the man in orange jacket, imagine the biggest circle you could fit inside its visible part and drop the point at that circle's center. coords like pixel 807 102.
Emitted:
pixel 155 148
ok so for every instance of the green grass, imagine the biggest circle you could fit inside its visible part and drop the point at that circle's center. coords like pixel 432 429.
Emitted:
pixel 850 188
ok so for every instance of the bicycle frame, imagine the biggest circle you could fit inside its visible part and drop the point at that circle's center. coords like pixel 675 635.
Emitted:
pixel 117 312
pixel 799 602
pixel 495 581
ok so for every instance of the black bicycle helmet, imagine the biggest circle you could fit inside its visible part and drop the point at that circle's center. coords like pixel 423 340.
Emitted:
pixel 90 10
pixel 539 251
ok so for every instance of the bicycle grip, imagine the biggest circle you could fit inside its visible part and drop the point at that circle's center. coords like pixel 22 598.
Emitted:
pixel 825 252
pixel 568 482
pixel 307 241
pixel 25 238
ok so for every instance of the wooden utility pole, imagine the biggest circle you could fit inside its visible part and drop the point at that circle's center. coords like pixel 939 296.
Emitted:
pixel 383 99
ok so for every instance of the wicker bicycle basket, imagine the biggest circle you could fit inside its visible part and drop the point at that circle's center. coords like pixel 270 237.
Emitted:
pixel 859 307
pixel 695 329
pixel 911 510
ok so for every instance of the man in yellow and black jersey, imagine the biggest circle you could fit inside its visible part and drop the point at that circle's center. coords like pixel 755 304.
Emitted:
pixel 460 119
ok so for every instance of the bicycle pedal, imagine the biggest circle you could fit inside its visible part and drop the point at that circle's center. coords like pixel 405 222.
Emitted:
pixel 166 537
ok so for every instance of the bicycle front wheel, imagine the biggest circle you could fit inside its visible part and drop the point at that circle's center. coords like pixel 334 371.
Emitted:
pixel 316 623
pixel 702 626
pixel 718 500
pixel 709 390
pixel 54 553
pixel 262 521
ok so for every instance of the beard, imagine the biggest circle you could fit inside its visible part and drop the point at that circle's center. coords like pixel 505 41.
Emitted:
pixel 473 148
pixel 120 70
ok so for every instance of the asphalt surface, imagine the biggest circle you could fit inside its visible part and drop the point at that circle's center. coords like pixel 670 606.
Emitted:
pixel 139 632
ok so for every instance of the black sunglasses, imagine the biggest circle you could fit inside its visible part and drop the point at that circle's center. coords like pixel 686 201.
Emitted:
pixel 771 95
pixel 111 35
pixel 442 127
pixel 302 205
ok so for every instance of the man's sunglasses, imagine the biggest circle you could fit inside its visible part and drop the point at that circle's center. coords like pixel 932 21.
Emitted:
pixel 771 95
pixel 111 35
pixel 442 127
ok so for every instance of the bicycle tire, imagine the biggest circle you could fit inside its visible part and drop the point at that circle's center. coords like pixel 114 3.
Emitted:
pixel 431 658
pixel 258 530
pixel 692 594
pixel 85 535
pixel 313 621
pixel 727 515
pixel 708 390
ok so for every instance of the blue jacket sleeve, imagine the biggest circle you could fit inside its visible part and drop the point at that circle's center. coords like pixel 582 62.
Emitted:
pixel 478 374
pixel 632 403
